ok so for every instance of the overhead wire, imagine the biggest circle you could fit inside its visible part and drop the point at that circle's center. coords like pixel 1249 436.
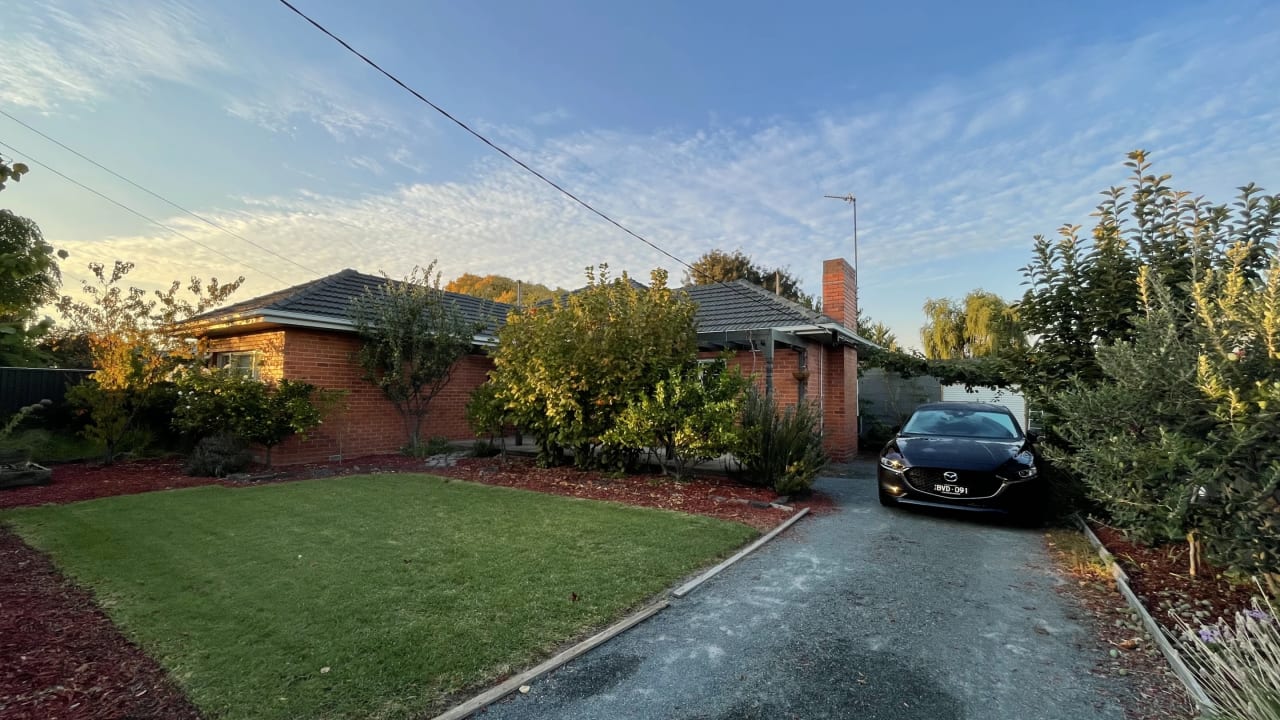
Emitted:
pixel 158 196
pixel 502 151
pixel 153 221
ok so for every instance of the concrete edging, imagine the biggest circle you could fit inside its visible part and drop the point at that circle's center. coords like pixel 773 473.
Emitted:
pixel 690 586
pixel 1171 654
pixel 501 690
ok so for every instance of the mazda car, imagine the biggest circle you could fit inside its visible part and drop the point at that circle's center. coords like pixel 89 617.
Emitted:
pixel 962 455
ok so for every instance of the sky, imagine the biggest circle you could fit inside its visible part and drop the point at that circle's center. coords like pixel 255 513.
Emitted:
pixel 963 130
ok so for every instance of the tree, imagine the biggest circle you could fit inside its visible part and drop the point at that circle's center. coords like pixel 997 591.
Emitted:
pixel 566 372
pixel 877 332
pixel 11 171
pixel 717 266
pixel 413 336
pixel 131 344
pixel 29 269
pixel 501 288
pixel 982 325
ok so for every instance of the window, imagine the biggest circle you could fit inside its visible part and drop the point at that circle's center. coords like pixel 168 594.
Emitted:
pixel 962 423
pixel 243 363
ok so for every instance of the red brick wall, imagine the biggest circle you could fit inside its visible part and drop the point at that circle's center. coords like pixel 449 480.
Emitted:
pixel 832 384
pixel 366 423
pixel 840 292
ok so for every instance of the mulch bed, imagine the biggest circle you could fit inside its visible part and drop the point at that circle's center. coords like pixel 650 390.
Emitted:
pixel 710 495
pixel 60 657
pixel 1159 576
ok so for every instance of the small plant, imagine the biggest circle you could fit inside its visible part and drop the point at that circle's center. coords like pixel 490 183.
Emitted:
pixel 1238 662
pixel 485 449
pixel 780 449
pixel 219 456
pixel 437 445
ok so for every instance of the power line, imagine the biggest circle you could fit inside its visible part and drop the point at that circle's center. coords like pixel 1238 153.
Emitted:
pixel 158 196
pixel 502 151
pixel 131 211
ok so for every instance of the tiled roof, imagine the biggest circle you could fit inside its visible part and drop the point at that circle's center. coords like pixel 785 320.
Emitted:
pixel 331 296
pixel 722 307
pixel 740 305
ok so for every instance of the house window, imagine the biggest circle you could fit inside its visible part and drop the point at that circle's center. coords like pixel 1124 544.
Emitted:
pixel 241 363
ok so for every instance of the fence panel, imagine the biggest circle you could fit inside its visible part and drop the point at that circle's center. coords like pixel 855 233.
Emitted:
pixel 20 387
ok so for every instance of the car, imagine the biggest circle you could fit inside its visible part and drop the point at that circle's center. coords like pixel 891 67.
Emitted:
pixel 961 455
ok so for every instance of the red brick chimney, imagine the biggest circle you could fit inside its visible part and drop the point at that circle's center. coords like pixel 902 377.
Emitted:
pixel 840 292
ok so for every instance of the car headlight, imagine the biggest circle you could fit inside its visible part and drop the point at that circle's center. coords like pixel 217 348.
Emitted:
pixel 1028 461
pixel 893 462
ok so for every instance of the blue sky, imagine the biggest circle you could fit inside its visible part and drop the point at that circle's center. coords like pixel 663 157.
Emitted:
pixel 963 131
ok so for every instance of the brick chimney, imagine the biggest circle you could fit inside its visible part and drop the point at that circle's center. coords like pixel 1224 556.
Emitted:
pixel 840 292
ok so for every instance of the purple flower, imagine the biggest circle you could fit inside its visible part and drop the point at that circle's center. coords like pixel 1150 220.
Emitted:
pixel 1257 615
pixel 1210 634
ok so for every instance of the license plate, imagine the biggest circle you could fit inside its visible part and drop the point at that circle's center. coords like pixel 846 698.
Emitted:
pixel 951 489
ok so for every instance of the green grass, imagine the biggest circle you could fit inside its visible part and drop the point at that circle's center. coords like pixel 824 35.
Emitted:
pixel 407 587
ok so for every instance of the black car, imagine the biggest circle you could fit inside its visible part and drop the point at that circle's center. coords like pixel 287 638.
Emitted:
pixel 963 455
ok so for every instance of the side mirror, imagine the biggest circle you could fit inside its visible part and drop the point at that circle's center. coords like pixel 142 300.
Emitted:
pixel 895 429
pixel 1033 436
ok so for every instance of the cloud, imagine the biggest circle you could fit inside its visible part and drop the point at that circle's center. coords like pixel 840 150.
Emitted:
pixel 57 55
pixel 952 181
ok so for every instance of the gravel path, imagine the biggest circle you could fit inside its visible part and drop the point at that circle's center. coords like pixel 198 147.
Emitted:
pixel 864 613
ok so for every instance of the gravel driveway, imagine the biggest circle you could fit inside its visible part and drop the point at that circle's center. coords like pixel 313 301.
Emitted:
pixel 864 613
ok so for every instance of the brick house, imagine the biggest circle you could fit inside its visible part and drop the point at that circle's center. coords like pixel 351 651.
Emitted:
pixel 305 333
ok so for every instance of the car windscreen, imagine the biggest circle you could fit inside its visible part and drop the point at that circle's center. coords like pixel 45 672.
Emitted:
pixel 962 423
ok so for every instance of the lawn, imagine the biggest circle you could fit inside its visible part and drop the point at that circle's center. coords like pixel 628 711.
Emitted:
pixel 361 596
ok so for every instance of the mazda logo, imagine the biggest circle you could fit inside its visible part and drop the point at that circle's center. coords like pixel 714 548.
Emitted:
pixel 950 476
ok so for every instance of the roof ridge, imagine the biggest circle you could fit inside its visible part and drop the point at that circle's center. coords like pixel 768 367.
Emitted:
pixel 788 303
pixel 309 289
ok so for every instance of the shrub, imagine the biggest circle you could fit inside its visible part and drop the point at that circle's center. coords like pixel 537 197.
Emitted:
pixel 567 371
pixel 485 412
pixel 1238 663
pixel 223 402
pixel 219 456
pixel 485 449
pixel 780 449
pixel 436 445
pixel 691 414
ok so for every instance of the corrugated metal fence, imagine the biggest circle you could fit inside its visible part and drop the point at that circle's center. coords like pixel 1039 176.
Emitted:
pixel 20 387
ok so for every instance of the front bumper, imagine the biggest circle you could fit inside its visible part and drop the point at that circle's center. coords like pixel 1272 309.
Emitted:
pixel 1011 495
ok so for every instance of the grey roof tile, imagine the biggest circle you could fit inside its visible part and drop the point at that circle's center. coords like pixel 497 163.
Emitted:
pixel 331 297
pixel 740 305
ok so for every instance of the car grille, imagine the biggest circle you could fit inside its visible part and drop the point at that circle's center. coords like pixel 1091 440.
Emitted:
pixel 980 484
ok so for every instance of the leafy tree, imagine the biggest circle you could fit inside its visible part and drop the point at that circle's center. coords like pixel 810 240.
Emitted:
pixel 413 336
pixel 128 329
pixel 877 332
pixel 565 372
pixel 11 171
pixel 132 348
pixel 981 325
pixel 29 269
pixel 719 266
pixel 501 288
pixel 692 414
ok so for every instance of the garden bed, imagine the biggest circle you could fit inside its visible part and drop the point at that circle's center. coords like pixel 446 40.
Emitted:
pixel 714 496
pixel 63 658
pixel 1159 577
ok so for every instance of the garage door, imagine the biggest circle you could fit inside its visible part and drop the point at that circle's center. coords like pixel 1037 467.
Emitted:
pixel 1016 403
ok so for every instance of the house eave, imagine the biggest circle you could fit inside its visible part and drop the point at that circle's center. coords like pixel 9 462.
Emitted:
pixel 273 319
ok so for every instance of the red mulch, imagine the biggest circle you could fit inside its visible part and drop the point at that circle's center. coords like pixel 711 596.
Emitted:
pixel 60 657
pixel 710 495
pixel 1159 575
pixel 85 481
